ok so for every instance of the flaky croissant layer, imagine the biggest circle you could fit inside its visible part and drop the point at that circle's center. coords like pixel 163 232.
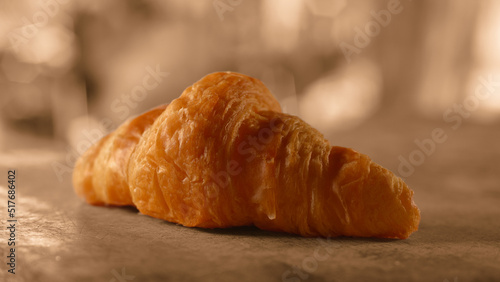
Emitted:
pixel 223 154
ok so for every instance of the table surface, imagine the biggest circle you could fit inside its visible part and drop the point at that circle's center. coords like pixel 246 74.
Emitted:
pixel 457 188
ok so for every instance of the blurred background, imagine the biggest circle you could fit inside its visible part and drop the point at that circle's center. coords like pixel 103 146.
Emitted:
pixel 415 85
pixel 72 71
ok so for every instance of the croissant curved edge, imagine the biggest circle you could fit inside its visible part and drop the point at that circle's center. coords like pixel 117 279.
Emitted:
pixel 223 154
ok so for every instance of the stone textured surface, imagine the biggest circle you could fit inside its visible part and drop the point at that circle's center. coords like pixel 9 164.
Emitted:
pixel 457 188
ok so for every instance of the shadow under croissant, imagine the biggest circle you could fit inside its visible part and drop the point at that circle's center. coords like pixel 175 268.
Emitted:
pixel 250 231
pixel 254 231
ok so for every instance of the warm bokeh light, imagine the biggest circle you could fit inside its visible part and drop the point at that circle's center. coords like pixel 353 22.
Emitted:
pixel 66 62
pixel 412 85
pixel 343 99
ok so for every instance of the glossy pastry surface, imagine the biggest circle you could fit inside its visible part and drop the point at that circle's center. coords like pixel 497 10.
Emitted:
pixel 223 154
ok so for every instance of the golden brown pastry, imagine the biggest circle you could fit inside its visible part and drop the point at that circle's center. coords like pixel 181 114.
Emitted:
pixel 100 174
pixel 223 155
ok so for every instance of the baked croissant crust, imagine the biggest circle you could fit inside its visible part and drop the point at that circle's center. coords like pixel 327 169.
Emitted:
pixel 223 154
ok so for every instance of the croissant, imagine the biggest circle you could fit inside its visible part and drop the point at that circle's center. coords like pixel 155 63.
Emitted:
pixel 223 154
